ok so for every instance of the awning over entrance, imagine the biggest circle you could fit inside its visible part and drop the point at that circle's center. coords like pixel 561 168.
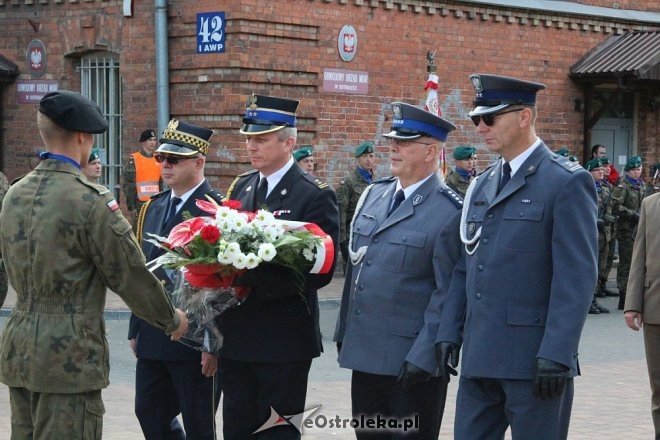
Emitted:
pixel 8 70
pixel 633 56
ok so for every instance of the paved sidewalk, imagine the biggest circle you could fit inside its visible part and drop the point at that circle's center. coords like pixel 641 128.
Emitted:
pixel 612 397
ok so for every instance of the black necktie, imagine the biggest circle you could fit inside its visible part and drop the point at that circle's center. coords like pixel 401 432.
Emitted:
pixel 171 211
pixel 506 176
pixel 398 198
pixel 262 191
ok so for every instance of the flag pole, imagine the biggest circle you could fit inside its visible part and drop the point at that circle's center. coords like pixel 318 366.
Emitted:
pixel 432 103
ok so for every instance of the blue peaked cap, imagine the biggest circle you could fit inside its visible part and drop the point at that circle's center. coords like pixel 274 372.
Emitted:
pixel 266 114
pixel 494 93
pixel 411 122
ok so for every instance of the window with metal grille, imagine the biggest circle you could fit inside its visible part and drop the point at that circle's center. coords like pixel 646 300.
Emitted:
pixel 100 81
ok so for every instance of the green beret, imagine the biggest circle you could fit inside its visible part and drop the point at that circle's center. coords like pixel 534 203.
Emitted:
pixel 633 162
pixel 563 151
pixel 302 152
pixel 463 152
pixel 593 164
pixel 605 160
pixel 573 158
pixel 93 155
pixel 365 147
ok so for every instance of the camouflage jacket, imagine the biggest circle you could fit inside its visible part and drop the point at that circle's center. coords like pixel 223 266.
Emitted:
pixel 348 193
pixel 133 203
pixel 626 201
pixel 68 243
pixel 605 215
pixel 457 183
pixel 4 285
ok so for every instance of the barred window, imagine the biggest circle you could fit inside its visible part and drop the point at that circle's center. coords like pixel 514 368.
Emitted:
pixel 101 82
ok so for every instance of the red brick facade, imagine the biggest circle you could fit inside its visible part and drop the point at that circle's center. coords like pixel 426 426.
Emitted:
pixel 282 48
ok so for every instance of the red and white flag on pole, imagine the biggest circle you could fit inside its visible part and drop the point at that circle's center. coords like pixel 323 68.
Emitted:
pixel 432 105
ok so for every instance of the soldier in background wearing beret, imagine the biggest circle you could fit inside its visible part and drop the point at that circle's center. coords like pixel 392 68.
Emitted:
pixel 350 189
pixel 404 248
pixel 626 201
pixel 94 167
pixel 609 218
pixel 304 157
pixel 171 378
pixel 271 339
pixel 531 241
pixel 141 175
pixel 604 222
pixel 460 177
pixel 69 243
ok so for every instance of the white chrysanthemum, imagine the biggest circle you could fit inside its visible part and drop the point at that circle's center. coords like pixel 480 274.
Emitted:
pixel 309 254
pixel 273 232
pixel 233 249
pixel 240 221
pixel 263 218
pixel 267 251
pixel 240 261
pixel 223 213
pixel 252 261
pixel 226 258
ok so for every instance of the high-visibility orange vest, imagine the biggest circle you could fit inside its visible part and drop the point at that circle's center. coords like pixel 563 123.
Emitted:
pixel 147 176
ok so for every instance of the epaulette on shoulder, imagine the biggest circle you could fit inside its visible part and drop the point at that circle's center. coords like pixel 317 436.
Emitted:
pixel 316 182
pixel 384 180
pixel 160 194
pixel 455 198
pixel 566 164
pixel 215 195
pixel 100 189
pixel 248 173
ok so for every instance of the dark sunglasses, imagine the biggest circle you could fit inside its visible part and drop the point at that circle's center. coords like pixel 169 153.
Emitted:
pixel 170 159
pixel 489 119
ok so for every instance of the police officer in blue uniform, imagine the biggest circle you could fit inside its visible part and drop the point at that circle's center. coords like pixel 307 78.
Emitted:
pixel 171 378
pixel 529 229
pixel 271 339
pixel 404 246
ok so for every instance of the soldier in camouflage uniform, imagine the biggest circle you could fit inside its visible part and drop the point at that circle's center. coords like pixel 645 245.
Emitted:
pixel 605 219
pixel 610 229
pixel 627 199
pixel 349 191
pixel 129 185
pixel 460 177
pixel 4 285
pixel 68 244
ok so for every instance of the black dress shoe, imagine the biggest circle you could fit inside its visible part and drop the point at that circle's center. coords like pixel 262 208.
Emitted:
pixel 600 308
pixel 602 294
pixel 593 310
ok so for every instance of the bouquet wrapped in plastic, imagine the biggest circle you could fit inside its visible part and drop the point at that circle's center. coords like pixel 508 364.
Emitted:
pixel 207 254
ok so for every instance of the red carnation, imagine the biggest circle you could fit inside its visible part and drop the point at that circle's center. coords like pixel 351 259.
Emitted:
pixel 210 234
pixel 232 204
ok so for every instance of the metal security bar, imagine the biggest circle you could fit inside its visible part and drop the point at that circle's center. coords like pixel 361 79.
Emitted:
pixel 100 81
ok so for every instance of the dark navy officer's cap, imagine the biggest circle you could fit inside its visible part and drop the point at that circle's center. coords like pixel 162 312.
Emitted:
pixel 412 122
pixel 266 114
pixel 495 93
pixel 184 139
pixel 72 111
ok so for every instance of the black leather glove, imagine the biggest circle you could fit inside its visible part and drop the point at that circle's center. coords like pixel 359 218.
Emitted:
pixel 411 375
pixel 446 353
pixel 550 380
pixel 338 346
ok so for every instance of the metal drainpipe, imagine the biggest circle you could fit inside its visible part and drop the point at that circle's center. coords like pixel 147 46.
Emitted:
pixel 162 67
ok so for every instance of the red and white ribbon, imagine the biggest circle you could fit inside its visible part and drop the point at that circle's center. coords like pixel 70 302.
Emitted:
pixel 325 250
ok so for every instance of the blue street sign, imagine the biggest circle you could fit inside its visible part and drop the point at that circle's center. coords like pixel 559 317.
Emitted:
pixel 211 32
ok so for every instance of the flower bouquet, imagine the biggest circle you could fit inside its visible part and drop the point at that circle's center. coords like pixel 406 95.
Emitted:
pixel 207 254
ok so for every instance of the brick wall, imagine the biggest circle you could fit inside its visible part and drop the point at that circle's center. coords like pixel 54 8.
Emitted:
pixel 283 49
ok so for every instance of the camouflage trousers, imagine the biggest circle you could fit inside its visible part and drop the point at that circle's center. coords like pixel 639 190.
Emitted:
pixel 625 258
pixel 603 255
pixel 46 416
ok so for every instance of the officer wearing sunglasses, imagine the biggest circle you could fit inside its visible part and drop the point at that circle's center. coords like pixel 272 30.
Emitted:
pixel 171 378
pixel 529 231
